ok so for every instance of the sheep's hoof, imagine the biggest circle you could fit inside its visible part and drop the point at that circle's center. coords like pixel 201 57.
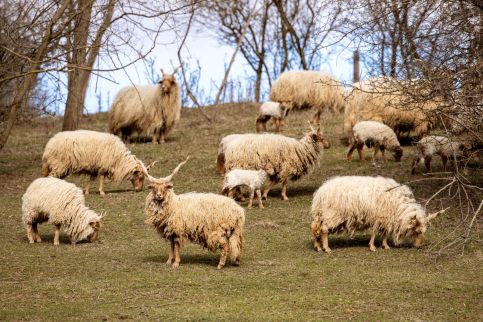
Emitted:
pixel 386 247
pixel 39 240
pixel 261 206
pixel 56 244
pixel 219 266
pixel 102 193
pixel 175 265
pixel 328 251
pixel 168 263
pixel 264 197
pixel 284 198
pixel 317 248
pixel 249 206
pixel 372 248
pixel 31 241
pixel 236 263
pixel 86 192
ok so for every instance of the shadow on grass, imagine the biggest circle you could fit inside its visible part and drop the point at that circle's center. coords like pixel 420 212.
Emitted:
pixel 210 259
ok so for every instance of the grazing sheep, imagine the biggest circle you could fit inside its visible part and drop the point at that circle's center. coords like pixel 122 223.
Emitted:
pixel 356 203
pixel 377 134
pixel 289 158
pixel 62 204
pixel 426 148
pixel 389 100
pixel 454 150
pixel 254 179
pixel 309 89
pixel 270 110
pixel 151 109
pixel 92 153
pixel 213 221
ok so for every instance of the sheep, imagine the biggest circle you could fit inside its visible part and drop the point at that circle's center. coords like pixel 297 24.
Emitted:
pixel 289 158
pixel 377 134
pixel 254 179
pixel 270 110
pixel 211 220
pixel 151 109
pixel 220 159
pixel 92 153
pixel 309 89
pixel 62 204
pixel 426 148
pixel 390 101
pixel 356 203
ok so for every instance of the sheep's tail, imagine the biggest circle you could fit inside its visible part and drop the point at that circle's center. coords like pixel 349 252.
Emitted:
pixel 236 245
pixel 220 163
pixel 45 169
pixel 262 119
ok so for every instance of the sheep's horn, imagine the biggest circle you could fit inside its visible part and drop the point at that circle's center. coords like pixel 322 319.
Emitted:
pixel 151 165
pixel 162 71
pixel 310 125
pixel 434 214
pixel 168 178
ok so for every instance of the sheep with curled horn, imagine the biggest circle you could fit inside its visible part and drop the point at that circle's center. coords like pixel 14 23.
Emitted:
pixel 210 220
pixel 148 110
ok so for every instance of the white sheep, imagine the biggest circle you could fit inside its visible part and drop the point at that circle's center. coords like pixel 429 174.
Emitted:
pixel 271 110
pixel 213 221
pixel 357 203
pixel 309 89
pixel 287 157
pixel 62 204
pixel 92 153
pixel 253 179
pixel 225 141
pixel 426 148
pixel 372 133
pixel 390 101
pixel 151 109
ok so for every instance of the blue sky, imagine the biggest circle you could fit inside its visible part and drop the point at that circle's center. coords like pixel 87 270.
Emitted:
pixel 212 57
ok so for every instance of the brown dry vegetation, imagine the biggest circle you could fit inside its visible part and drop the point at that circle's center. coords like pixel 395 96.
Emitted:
pixel 280 278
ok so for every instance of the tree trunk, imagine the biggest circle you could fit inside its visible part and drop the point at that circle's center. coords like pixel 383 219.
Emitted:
pixel 355 75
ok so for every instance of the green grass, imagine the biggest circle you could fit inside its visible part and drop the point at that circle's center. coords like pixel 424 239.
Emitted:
pixel 123 276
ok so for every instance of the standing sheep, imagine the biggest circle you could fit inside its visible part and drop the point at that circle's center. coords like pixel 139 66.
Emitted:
pixel 426 148
pixel 62 204
pixel 289 158
pixel 254 179
pixel 213 221
pixel 309 89
pixel 225 141
pixel 271 110
pixel 377 134
pixel 92 153
pixel 151 109
pixel 357 203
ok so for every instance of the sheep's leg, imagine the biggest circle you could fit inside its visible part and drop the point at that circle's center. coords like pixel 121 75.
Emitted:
pixel 250 201
pixel 171 252
pixel 177 253
pixel 383 149
pixel 359 151
pixel 350 151
pixel 101 185
pixel 284 190
pixel 259 198
pixel 444 159
pixel 317 245
pixel 267 189
pixel 87 186
pixel 427 163
pixel 30 234
pixel 36 233
pixel 415 164
pixel 161 137
pixel 371 242
pixel 56 235
pixel 239 194
pixel 277 124
pixel 224 252
pixel 230 193
pixel 384 243
pixel 376 149
pixel 325 240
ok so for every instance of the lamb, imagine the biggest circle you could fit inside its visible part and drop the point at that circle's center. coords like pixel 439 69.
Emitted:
pixel 309 89
pixel 356 203
pixel 62 204
pixel 151 109
pixel 289 158
pixel 254 179
pixel 426 148
pixel 211 220
pixel 269 110
pixel 377 134
pixel 389 101
pixel 92 153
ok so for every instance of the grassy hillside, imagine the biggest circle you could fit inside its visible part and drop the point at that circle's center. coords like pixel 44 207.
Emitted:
pixel 123 276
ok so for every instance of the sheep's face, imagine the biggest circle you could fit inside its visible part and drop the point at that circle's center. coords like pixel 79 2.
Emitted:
pixel 95 226
pixel 137 180
pixel 397 153
pixel 414 228
pixel 160 190
pixel 318 138
pixel 167 83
